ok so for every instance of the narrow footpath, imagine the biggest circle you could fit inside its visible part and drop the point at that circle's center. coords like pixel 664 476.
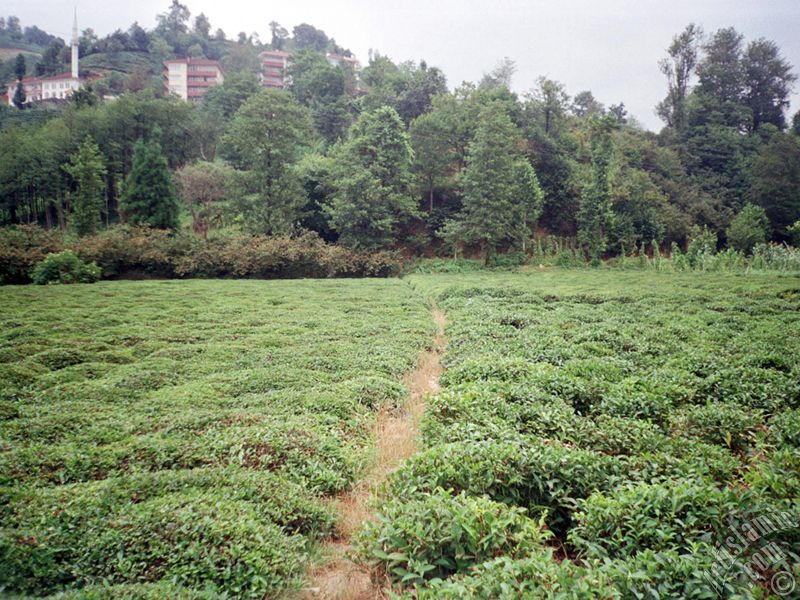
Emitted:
pixel 396 431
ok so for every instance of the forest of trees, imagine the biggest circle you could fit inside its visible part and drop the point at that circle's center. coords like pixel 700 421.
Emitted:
pixel 391 158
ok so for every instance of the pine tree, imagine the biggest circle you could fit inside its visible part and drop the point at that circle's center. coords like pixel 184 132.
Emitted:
pixel 149 194
pixel 19 94
pixel 87 170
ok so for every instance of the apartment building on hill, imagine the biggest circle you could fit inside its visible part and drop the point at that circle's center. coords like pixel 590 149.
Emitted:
pixel 190 78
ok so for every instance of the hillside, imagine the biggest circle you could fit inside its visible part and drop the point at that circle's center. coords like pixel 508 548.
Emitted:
pixel 123 62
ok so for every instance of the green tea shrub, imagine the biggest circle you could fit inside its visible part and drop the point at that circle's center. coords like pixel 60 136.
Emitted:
pixel 373 391
pixel 64 267
pixel 171 436
pixel 751 386
pixel 438 534
pixel 639 398
pixel 724 424
pixel 187 539
pixel 539 475
pixel 198 542
pixel 673 574
pixel 139 591
pixel 441 265
pixel 498 406
pixel 509 260
pixel 776 476
pixel 784 429
pixel 683 458
pixel 484 368
pixel 537 577
pixel 618 436
pixel 661 516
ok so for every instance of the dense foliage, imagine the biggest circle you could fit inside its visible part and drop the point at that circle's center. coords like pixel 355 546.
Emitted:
pixel 385 156
pixel 64 267
pixel 160 458
pixel 132 252
pixel 640 416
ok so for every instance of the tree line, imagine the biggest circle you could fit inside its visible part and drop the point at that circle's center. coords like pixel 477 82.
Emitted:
pixel 389 157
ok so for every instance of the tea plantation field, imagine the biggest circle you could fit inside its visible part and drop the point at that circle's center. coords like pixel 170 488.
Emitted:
pixel 178 438
pixel 594 436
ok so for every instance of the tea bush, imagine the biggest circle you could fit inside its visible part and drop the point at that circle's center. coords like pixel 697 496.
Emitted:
pixel 538 475
pixel 640 411
pixel 784 429
pixel 662 516
pixel 182 438
pixel 719 423
pixel 438 534
pixel 671 574
pixel 538 577
pixel 64 267
pixel 777 476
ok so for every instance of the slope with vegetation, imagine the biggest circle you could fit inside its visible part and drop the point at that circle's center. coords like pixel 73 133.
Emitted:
pixel 388 157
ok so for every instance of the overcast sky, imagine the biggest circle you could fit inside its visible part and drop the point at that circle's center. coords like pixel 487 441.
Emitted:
pixel 611 47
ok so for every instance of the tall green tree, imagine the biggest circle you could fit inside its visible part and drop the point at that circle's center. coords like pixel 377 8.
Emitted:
pixel 528 200
pixel 748 228
pixel 227 98
pixel 434 155
pixel 204 187
pixel 493 185
pixel 553 149
pixel 307 36
pixel 372 181
pixel 149 193
pixel 321 87
pixel 19 70
pixel 584 105
pixel 408 88
pixel 768 80
pixel 679 68
pixel 279 35
pixel 266 137
pixel 87 170
pixel 721 80
pixel 775 182
pixel 594 213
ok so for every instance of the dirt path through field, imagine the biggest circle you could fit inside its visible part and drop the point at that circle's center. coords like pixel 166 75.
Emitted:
pixel 337 578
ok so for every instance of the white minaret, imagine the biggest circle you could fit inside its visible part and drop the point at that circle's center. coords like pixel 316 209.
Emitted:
pixel 75 46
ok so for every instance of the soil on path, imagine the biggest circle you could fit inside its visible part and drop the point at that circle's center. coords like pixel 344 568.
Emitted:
pixel 396 431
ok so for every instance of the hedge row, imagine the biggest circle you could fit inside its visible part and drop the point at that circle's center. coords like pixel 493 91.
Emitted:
pixel 125 251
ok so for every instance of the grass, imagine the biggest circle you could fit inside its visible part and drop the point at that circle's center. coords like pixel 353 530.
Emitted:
pixel 186 435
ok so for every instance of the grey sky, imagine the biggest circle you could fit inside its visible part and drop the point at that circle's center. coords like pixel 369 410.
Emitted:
pixel 609 46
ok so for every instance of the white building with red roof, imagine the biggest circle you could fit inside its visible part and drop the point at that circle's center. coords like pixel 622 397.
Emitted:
pixel 53 87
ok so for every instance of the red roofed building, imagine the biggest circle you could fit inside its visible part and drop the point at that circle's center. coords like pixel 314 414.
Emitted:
pixel 273 68
pixel 54 87
pixel 190 78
